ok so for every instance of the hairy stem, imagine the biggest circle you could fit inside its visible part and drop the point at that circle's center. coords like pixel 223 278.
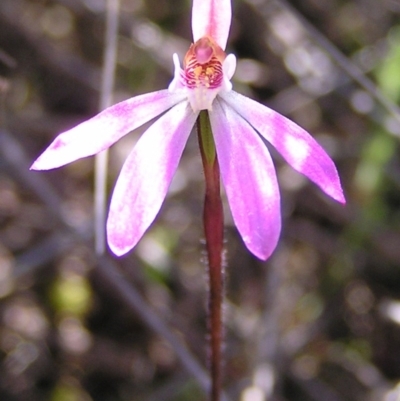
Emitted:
pixel 213 229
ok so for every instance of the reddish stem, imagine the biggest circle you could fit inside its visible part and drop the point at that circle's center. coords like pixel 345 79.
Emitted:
pixel 213 228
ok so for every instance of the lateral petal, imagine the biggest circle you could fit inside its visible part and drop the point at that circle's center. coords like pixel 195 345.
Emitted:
pixel 295 144
pixel 145 178
pixel 249 179
pixel 212 18
pixel 104 129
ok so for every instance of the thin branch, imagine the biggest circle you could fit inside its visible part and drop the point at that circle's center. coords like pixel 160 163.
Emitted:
pixel 351 69
pixel 101 159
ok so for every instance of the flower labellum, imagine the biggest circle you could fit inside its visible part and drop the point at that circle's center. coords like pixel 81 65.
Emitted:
pixel 238 125
pixel 203 74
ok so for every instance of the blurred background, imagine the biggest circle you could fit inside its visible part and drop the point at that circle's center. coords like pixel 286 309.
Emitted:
pixel 318 321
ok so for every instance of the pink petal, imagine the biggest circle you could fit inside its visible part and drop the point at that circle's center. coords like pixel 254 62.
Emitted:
pixel 101 131
pixel 212 18
pixel 249 178
pixel 145 178
pixel 295 144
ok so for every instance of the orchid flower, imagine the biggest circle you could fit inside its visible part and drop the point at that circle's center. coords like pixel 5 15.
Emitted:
pixel 238 126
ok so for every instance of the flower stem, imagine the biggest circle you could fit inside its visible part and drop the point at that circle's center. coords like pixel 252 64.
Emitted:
pixel 213 229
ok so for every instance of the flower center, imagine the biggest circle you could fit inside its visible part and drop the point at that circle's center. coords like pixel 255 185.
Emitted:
pixel 202 67
pixel 207 70
pixel 203 73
